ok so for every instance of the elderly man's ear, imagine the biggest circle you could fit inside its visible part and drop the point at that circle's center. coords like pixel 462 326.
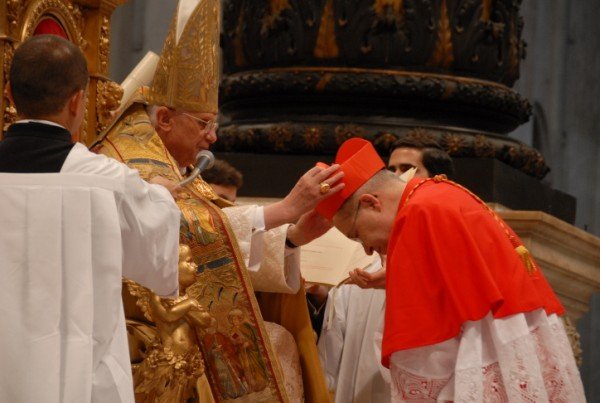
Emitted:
pixel 370 201
pixel 164 119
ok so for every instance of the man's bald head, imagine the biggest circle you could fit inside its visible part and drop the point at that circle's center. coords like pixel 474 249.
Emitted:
pixel 368 214
pixel 46 71
pixel 383 180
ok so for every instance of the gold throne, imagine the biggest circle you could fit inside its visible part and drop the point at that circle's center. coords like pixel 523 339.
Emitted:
pixel 85 23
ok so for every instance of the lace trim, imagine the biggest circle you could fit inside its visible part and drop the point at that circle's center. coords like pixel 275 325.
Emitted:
pixel 408 387
pixel 537 367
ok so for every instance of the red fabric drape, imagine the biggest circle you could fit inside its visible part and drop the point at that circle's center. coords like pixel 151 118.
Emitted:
pixel 49 25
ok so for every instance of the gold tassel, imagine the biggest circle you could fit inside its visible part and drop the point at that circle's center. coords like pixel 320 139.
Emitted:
pixel 526 259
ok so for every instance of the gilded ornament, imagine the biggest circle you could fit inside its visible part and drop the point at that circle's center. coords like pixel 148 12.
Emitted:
pixel 10 113
pixel 443 52
pixel 247 136
pixel 104 44
pixel 279 136
pixel 483 147
pixel 385 140
pixel 67 13
pixel 273 18
pixel 396 6
pixel 421 135
pixel 14 9
pixel 312 137
pixel 453 143
pixel 108 99
pixel 345 132
pixel 326 46
pixel 173 362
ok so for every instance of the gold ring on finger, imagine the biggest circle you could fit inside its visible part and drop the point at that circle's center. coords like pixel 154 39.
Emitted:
pixel 324 187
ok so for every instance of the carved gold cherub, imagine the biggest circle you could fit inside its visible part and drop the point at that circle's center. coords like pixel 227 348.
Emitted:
pixel 173 361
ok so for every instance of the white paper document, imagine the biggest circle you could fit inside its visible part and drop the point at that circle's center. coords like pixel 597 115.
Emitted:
pixel 328 259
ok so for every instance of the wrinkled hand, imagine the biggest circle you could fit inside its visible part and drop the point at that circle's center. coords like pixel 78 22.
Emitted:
pixel 310 226
pixel 171 186
pixel 304 197
pixel 306 194
pixel 364 279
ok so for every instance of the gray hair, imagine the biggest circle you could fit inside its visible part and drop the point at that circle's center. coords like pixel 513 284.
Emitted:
pixel 376 183
pixel 151 110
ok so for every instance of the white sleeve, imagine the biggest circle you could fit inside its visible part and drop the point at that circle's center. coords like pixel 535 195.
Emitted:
pixel 272 266
pixel 149 222
pixel 331 341
pixel 150 230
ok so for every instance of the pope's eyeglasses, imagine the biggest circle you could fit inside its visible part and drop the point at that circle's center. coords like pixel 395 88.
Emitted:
pixel 208 125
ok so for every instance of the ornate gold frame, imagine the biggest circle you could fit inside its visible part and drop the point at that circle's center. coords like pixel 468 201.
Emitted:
pixel 87 23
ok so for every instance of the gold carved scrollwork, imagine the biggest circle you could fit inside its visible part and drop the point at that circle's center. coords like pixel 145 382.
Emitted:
pixel 13 11
pixel 454 143
pixel 104 44
pixel 385 140
pixel 68 14
pixel 280 136
pixel 483 146
pixel 312 137
pixel 10 113
pixel 108 99
pixel 345 132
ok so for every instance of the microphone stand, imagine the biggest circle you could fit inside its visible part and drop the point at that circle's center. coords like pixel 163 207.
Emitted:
pixel 205 159
pixel 195 172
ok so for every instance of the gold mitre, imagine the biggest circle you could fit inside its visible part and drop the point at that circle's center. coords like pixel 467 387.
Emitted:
pixel 187 76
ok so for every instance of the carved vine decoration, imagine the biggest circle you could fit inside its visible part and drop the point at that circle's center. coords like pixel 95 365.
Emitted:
pixel 108 99
pixel 104 44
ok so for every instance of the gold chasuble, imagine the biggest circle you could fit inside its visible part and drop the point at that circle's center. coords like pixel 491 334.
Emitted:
pixel 221 286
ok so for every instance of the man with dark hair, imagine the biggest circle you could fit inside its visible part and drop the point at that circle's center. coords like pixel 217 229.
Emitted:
pixel 224 179
pixel 34 90
pixel 425 154
pixel 64 337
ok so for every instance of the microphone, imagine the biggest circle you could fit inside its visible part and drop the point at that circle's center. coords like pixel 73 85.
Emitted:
pixel 204 160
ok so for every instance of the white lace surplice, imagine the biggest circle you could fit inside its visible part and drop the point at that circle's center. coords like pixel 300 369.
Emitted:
pixel 521 358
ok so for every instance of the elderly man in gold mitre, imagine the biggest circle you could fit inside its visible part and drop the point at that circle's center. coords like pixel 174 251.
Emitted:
pixel 237 250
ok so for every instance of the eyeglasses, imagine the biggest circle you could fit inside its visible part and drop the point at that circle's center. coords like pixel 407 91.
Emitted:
pixel 208 125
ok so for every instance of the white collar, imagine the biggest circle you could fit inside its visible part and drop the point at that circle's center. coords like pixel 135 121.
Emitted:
pixel 44 122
